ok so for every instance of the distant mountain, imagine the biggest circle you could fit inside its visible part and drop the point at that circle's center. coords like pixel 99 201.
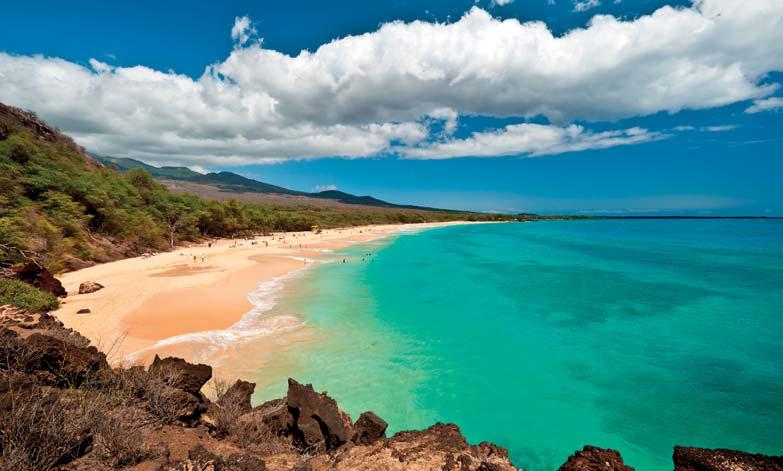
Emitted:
pixel 348 198
pixel 226 181
pixel 232 182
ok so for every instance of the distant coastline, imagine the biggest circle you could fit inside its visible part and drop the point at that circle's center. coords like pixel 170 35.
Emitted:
pixel 559 217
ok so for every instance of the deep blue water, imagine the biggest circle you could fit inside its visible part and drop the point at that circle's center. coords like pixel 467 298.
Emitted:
pixel 543 337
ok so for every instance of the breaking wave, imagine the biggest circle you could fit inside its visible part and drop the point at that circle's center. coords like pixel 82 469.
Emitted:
pixel 254 324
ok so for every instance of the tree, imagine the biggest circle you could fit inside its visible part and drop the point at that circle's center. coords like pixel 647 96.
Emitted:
pixel 176 216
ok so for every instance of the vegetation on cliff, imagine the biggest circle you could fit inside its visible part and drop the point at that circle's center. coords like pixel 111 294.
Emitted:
pixel 66 210
pixel 27 297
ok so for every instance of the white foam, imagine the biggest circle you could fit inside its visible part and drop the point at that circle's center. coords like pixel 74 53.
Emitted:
pixel 307 260
pixel 254 324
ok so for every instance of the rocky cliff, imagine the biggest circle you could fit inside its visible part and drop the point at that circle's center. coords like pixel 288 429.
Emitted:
pixel 63 407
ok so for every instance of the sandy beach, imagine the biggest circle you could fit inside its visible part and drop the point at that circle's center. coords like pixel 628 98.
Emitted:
pixel 166 302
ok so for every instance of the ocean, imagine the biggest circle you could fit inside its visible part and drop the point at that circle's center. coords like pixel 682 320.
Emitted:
pixel 544 337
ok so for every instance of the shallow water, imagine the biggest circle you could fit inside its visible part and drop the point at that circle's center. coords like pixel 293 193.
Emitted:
pixel 542 337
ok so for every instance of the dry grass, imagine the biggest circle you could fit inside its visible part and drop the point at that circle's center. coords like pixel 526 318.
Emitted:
pixel 226 419
pixel 163 399
pixel 38 430
pixel 69 336
pixel 224 415
pixel 154 388
pixel 120 442
pixel 14 355
pixel 217 388
pixel 130 383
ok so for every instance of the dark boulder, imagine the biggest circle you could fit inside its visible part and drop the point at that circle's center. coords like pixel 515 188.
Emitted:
pixel 440 447
pixel 83 311
pixel 271 417
pixel 201 458
pixel 173 404
pixel 369 428
pixel 701 459
pixel 441 437
pixel 318 423
pixel 89 287
pixel 16 387
pixel 592 458
pixel 38 276
pixel 181 374
pixel 238 396
pixel 64 363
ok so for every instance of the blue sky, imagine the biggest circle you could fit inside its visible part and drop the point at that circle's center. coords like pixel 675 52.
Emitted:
pixel 665 124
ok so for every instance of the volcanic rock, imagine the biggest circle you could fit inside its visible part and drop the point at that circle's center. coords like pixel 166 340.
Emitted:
pixel 238 395
pixel 369 428
pixel 183 405
pixel 61 362
pixel 701 459
pixel 592 458
pixel 89 287
pixel 272 417
pixel 38 276
pixel 319 424
pixel 440 447
pixel 183 375
pixel 199 458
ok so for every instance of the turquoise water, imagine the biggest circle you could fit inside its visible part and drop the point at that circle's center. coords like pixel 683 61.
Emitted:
pixel 543 337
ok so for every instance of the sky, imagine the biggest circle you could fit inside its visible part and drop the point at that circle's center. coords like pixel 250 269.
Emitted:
pixel 646 107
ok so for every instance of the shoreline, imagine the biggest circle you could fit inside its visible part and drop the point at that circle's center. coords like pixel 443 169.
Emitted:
pixel 179 296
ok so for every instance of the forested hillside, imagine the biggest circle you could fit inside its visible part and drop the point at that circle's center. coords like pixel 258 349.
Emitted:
pixel 66 210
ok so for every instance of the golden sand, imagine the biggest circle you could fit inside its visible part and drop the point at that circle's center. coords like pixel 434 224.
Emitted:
pixel 149 299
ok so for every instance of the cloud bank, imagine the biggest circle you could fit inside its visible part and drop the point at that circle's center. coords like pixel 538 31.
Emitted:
pixel 381 92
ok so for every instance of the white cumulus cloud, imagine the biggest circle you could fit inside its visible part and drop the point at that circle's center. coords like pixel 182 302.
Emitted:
pixel 584 5
pixel 379 92
pixel 242 30
pixel 767 104
pixel 532 140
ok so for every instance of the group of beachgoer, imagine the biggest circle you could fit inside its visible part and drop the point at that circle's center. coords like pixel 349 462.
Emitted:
pixel 236 243
pixel 195 257
pixel 365 256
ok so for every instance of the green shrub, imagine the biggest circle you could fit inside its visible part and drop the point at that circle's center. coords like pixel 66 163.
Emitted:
pixel 27 297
